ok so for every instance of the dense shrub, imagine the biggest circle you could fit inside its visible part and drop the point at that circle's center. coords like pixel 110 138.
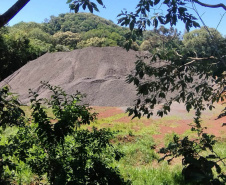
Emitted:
pixel 59 148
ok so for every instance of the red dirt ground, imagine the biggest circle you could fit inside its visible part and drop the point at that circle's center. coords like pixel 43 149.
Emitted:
pixel 105 112
pixel 177 122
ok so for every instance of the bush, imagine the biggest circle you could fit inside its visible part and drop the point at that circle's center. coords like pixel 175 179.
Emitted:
pixel 60 150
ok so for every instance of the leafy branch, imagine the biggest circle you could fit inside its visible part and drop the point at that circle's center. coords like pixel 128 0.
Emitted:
pixel 75 5
pixel 199 157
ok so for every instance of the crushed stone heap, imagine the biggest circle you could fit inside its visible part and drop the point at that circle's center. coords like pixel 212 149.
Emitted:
pixel 100 73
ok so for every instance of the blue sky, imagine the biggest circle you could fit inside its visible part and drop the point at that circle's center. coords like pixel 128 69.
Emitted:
pixel 38 10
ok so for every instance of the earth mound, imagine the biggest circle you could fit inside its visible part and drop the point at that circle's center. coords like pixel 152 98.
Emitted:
pixel 100 73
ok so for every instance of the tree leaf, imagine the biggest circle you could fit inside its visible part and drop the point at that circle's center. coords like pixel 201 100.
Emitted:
pixel 84 6
pixel 100 2
pixel 218 168
pixel 77 8
pixel 166 1
pixel 195 24
pixel 131 25
pixel 69 1
pixel 155 23
pixel 156 2
pixel 212 156
pixel 90 8
pixel 160 18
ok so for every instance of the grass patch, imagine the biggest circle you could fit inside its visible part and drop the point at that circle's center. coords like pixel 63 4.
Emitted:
pixel 138 151
pixel 161 175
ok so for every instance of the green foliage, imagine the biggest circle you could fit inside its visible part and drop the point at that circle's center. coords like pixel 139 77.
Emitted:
pixel 75 5
pixel 141 150
pixel 182 73
pixel 21 43
pixel 167 76
pixel 64 33
pixel 40 47
pixel 10 112
pixel 203 42
pixel 27 27
pixel 82 27
pixel 66 110
pixel 160 39
pixel 199 158
pixel 80 22
pixel 59 149
pixel 39 34
pixel 15 51
pixel 153 175
pixel 140 18
pixel 63 48
pixel 144 17
pixel 188 72
pixel 171 77
pixel 96 42
pixel 67 39
pixel 40 42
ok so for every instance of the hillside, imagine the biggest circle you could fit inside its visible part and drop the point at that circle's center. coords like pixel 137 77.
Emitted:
pixel 79 22
pixel 24 42
pixel 98 72
pixel 27 41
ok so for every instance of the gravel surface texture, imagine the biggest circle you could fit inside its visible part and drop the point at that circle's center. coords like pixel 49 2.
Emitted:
pixel 100 73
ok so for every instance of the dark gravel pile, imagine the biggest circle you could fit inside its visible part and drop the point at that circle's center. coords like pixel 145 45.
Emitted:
pixel 98 72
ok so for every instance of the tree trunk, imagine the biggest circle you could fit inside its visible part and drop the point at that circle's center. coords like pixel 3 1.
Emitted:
pixel 10 13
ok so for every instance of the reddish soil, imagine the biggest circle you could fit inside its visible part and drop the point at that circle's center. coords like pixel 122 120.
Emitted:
pixel 176 122
pixel 107 111
pixel 216 127
pixel 147 123
pixel 180 129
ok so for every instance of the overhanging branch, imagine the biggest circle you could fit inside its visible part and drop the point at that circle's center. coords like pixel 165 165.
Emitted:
pixel 11 12
pixel 220 5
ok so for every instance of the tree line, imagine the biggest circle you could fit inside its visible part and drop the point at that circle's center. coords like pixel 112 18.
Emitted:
pixel 27 41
